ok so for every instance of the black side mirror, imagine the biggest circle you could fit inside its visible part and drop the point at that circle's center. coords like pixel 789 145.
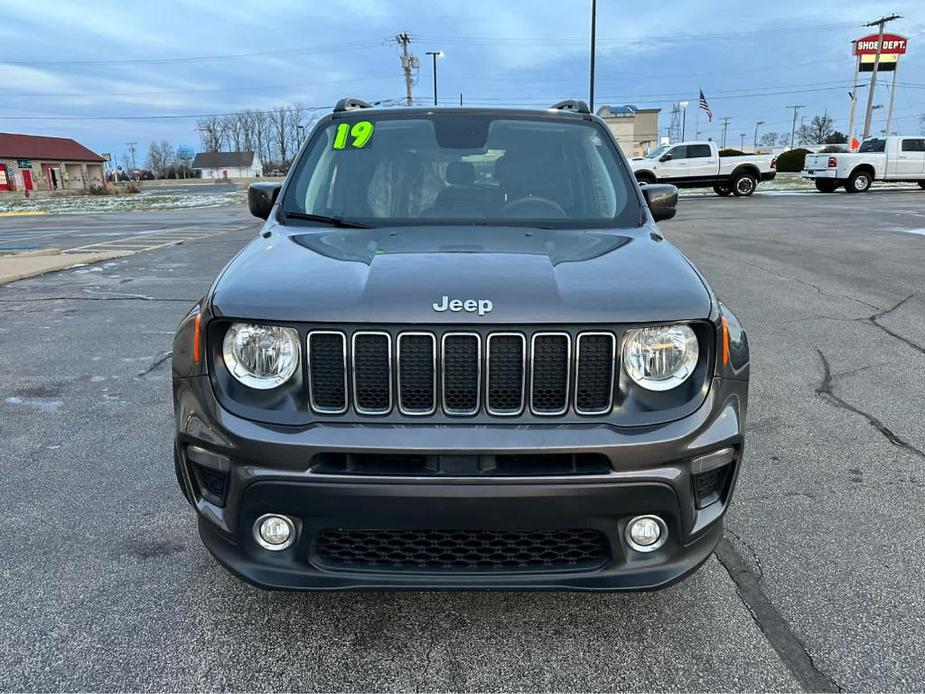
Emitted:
pixel 261 197
pixel 662 199
pixel 665 157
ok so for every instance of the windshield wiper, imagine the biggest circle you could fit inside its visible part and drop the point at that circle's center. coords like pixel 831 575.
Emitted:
pixel 323 219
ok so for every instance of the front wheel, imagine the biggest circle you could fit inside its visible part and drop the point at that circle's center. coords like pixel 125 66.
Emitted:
pixel 744 185
pixel 826 185
pixel 858 182
pixel 722 190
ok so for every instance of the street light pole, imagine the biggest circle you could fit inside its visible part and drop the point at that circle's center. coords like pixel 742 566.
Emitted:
pixel 755 145
pixel 435 55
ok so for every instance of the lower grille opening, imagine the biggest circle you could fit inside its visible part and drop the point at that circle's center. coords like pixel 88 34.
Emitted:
pixel 212 484
pixel 710 487
pixel 579 549
pixel 461 465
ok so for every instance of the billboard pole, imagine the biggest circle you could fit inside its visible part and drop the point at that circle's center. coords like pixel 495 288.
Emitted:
pixel 854 93
pixel 889 112
pixel 873 75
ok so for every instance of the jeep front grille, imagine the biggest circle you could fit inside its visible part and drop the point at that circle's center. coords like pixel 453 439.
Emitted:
pixel 459 374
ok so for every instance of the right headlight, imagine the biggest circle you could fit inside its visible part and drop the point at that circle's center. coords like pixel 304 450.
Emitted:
pixel 661 357
pixel 261 356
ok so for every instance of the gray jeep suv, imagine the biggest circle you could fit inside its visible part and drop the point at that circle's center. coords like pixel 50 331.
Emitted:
pixel 460 354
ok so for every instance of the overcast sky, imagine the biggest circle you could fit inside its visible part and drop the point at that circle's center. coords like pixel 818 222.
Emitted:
pixel 184 57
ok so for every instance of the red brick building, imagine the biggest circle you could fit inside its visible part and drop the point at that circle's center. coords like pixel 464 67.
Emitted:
pixel 36 162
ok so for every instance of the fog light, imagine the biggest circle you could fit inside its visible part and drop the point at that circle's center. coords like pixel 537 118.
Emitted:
pixel 646 533
pixel 274 532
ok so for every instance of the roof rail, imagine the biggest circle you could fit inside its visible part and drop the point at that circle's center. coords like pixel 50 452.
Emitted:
pixel 350 103
pixel 576 105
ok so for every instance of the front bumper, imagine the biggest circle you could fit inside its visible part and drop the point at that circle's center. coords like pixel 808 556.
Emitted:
pixel 269 471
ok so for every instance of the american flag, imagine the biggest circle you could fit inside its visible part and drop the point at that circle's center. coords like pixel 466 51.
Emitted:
pixel 704 106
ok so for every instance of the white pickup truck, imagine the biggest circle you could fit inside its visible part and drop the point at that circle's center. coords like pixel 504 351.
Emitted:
pixel 893 158
pixel 699 165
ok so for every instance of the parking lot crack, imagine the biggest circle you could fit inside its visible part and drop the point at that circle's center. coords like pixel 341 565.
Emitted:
pixel 875 320
pixel 826 391
pixel 751 551
pixel 788 646
pixel 816 287
pixel 136 297
pixel 161 360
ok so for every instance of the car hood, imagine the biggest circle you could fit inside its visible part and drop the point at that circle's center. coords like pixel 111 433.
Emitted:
pixel 397 274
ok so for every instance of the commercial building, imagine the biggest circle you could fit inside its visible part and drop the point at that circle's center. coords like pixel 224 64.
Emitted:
pixel 37 162
pixel 228 164
pixel 636 129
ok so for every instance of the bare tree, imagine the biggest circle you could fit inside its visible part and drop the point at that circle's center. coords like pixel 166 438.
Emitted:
pixel 263 140
pixel 280 126
pixel 768 139
pixel 819 129
pixel 235 129
pixel 212 133
pixel 160 158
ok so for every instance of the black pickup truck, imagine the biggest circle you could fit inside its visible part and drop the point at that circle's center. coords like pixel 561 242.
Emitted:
pixel 460 354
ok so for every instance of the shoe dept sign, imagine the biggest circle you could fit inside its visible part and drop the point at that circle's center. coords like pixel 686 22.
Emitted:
pixel 866 51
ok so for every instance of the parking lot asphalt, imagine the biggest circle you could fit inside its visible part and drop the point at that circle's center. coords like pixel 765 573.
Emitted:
pixel 71 231
pixel 104 584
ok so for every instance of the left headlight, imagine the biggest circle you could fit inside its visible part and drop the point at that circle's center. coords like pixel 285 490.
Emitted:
pixel 261 356
pixel 661 357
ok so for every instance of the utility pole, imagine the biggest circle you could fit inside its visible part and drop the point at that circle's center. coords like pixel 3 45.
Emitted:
pixel 131 148
pixel 683 106
pixel 593 38
pixel 435 55
pixel 406 64
pixel 725 125
pixel 755 146
pixel 793 128
pixel 873 75
pixel 741 142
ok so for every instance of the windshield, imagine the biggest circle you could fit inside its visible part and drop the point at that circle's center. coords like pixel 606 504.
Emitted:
pixel 657 152
pixel 463 169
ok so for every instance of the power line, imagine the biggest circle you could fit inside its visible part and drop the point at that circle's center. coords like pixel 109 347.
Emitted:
pixel 330 48
pixel 181 116
pixel 675 38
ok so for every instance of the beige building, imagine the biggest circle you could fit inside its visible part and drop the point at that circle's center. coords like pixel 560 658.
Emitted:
pixel 636 129
pixel 36 162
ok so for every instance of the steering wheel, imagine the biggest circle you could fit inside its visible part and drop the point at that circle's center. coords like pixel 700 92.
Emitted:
pixel 532 208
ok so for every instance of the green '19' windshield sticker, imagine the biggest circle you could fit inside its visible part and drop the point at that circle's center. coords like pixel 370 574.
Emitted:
pixel 356 136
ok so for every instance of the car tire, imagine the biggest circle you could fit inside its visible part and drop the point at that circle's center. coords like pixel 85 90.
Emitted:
pixel 744 185
pixel 858 182
pixel 826 185
pixel 722 190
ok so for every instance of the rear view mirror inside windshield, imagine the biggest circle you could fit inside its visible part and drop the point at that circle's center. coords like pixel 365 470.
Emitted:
pixel 462 133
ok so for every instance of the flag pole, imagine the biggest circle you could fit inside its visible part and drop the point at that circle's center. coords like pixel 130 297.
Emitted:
pixel 697 117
